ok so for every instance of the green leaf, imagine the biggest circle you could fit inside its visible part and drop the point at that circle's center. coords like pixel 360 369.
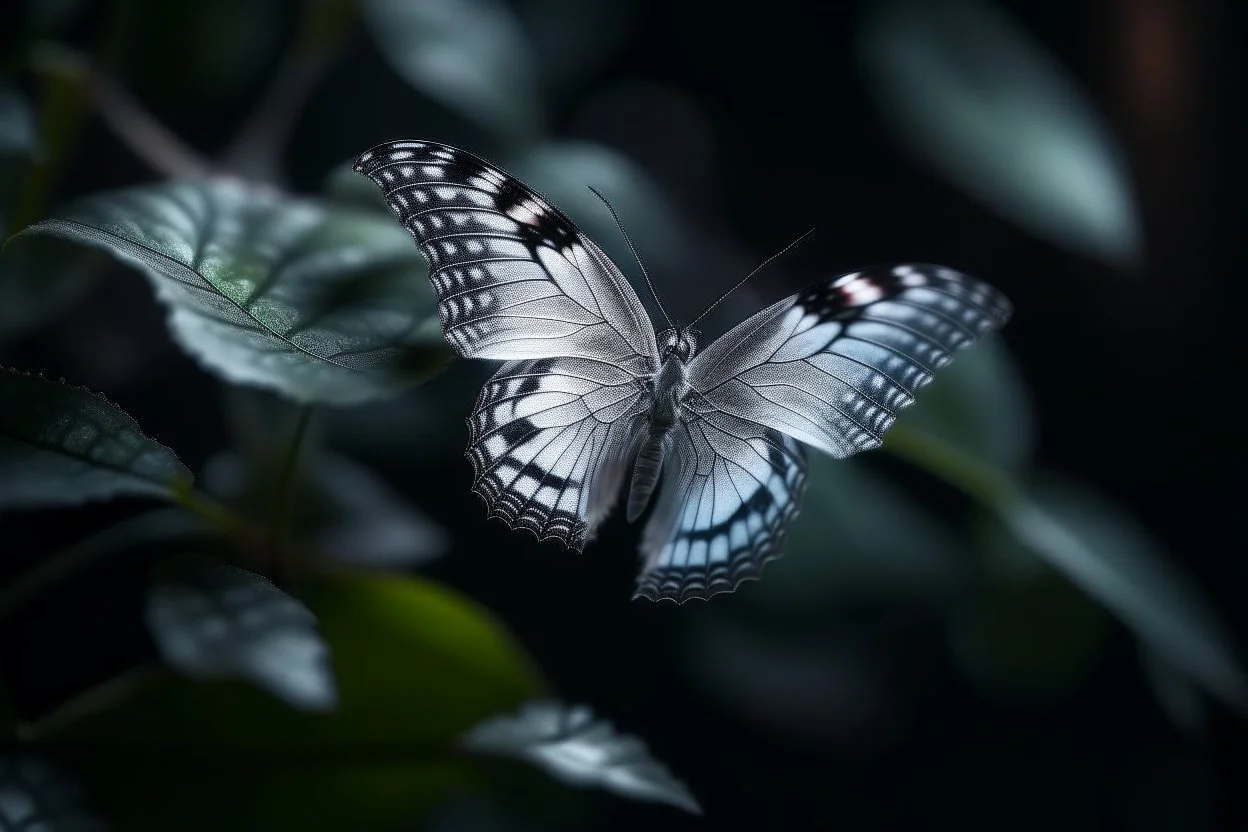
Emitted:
pixel 978 404
pixel 856 534
pixel 470 55
pixel 969 93
pixel 417 665
pixel 211 620
pixel 570 744
pixel 321 303
pixel 1115 561
pixel 62 445
pixel 36 795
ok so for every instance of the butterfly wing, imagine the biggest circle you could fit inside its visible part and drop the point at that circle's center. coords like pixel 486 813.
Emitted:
pixel 833 364
pixel 829 366
pixel 550 443
pixel 515 278
pixel 731 488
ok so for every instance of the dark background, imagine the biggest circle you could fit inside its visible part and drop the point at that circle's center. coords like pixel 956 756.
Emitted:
pixel 758 123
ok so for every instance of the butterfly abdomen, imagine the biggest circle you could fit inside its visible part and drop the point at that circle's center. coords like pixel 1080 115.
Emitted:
pixel 646 470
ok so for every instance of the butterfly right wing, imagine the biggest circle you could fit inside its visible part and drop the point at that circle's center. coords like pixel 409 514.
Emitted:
pixel 551 442
pixel 515 278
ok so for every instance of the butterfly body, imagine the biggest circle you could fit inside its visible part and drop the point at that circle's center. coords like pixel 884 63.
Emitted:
pixel 589 398
pixel 668 390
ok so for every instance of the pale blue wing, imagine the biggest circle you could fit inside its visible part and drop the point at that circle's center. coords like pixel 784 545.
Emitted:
pixel 731 488
pixel 832 364
pixel 514 276
pixel 550 443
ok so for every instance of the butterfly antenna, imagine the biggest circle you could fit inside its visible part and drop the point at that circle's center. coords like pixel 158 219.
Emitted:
pixel 746 279
pixel 636 257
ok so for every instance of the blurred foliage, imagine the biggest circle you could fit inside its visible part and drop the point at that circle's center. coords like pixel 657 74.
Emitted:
pixel 293 300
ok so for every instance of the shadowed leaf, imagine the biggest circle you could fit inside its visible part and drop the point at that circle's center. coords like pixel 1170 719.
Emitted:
pixel 211 620
pixel 577 749
pixel 323 304
pixel 416 666
pixel 64 445
pixel 1106 554
pixel 469 55
pixel 35 796
pixel 970 94
pixel 17 124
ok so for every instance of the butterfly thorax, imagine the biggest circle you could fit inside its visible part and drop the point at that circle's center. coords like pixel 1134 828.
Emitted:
pixel 668 390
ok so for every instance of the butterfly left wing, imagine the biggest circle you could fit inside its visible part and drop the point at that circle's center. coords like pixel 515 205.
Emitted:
pixel 515 278
pixel 830 367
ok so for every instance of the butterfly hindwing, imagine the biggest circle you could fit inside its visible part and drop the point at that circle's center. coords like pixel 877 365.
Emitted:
pixel 550 443
pixel 515 278
pixel 731 489
pixel 832 364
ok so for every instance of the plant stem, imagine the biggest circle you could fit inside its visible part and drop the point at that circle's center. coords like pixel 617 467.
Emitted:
pixel 153 526
pixel 89 701
pixel 285 493
pixel 977 479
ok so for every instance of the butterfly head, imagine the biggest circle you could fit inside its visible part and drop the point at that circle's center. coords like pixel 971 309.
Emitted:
pixel 680 343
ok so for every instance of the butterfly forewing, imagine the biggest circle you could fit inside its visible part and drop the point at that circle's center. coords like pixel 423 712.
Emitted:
pixel 515 278
pixel 832 364
pixel 550 444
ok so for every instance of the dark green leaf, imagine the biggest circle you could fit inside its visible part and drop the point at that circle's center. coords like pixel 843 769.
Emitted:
pixel 417 665
pixel 968 92
pixel 470 55
pixel 346 513
pixel 321 303
pixel 857 533
pixel 574 747
pixel 574 37
pixel 211 620
pixel 1025 630
pixel 64 445
pixel 36 796
pixel 1115 561
pixel 979 405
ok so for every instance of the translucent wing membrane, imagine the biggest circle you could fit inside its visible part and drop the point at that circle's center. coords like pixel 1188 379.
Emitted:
pixel 730 492
pixel 551 441
pixel 833 364
pixel 514 276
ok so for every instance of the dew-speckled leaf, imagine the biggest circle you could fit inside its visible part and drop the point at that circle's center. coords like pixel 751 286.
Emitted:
pixel 63 445
pixel 1111 558
pixel 17 124
pixel 37 796
pixel 979 404
pixel 211 620
pixel 970 94
pixel 575 747
pixel 470 55
pixel 416 664
pixel 321 303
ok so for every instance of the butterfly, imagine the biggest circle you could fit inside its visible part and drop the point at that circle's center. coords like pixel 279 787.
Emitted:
pixel 589 397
